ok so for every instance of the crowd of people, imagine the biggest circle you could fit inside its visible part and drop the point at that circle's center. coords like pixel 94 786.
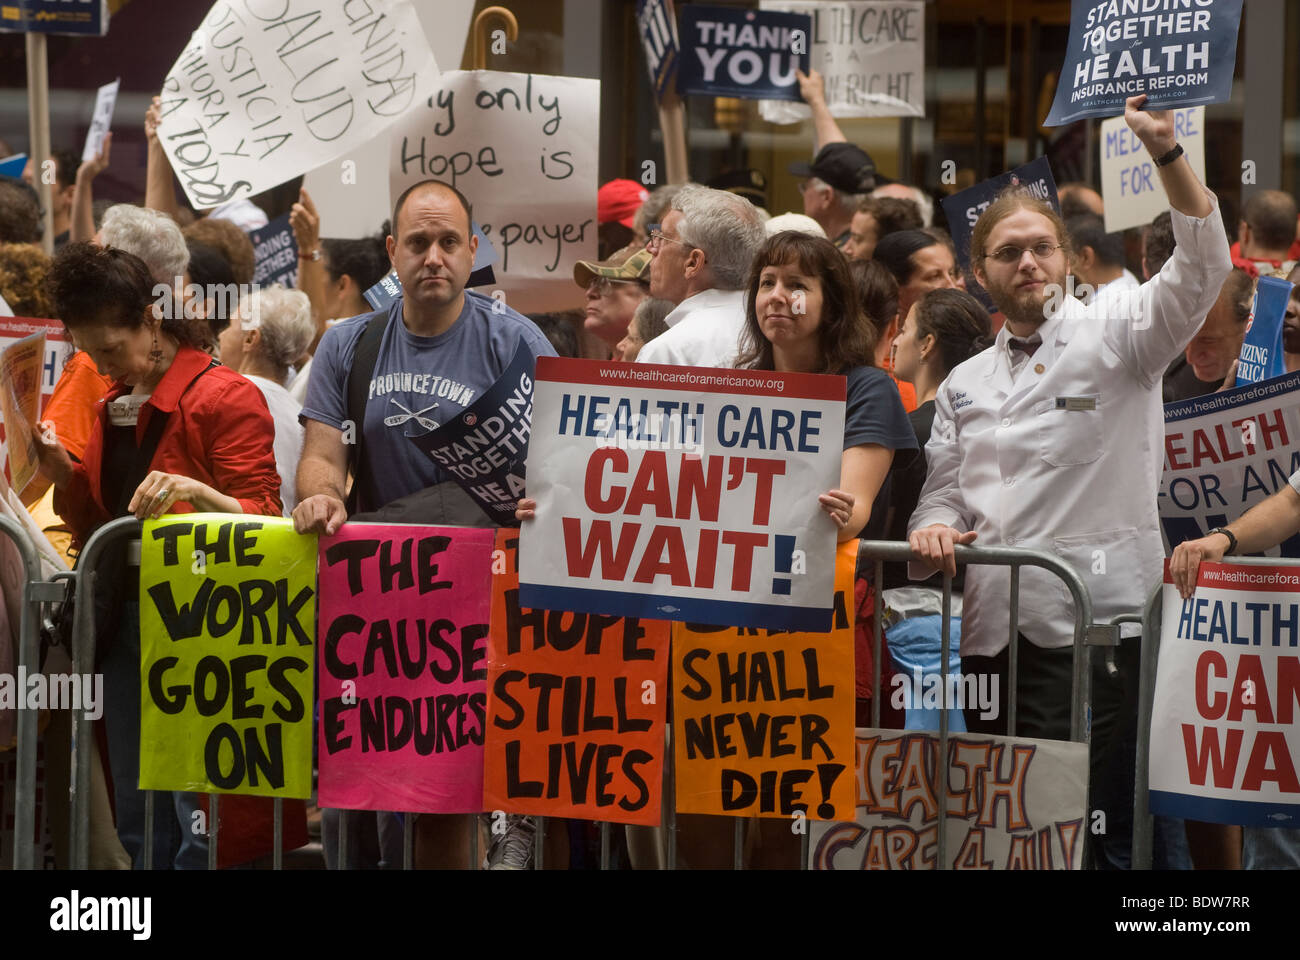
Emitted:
pixel 301 403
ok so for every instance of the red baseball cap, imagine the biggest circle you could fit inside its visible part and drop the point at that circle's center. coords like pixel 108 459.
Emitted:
pixel 619 200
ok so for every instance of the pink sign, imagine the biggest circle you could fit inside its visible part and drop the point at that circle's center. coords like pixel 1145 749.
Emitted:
pixel 403 668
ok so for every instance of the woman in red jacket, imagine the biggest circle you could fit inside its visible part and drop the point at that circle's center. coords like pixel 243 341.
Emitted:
pixel 176 433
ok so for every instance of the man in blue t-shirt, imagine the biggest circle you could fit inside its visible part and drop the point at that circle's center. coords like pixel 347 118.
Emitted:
pixel 442 347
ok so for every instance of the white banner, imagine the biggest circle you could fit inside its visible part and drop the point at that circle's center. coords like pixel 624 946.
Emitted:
pixel 1130 184
pixel 1224 453
pixel 1225 744
pixel 1012 804
pixel 523 149
pixel 872 56
pixel 101 119
pixel 266 91
pixel 683 493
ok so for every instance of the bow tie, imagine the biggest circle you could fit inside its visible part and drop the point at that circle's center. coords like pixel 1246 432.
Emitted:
pixel 1026 347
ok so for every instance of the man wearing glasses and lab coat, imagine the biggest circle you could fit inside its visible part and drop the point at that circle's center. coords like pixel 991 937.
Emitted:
pixel 1052 439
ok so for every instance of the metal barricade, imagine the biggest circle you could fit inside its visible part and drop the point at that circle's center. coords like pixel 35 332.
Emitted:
pixel 1086 635
pixel 35 592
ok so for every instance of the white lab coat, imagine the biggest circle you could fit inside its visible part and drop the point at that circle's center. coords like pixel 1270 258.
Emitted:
pixel 1005 461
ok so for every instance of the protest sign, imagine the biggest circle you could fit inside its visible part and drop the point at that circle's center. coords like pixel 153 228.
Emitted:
pixel 85 18
pixel 963 210
pixel 275 254
pixel 227 639
pixel 101 119
pixel 870 55
pixel 20 406
pixel 742 53
pixel 260 94
pixel 575 708
pixel 57 347
pixel 657 25
pixel 683 493
pixel 13 166
pixel 1224 453
pixel 1227 744
pixel 763 721
pixel 1178 54
pixel 1012 804
pixel 484 447
pixel 520 147
pixel 1262 353
pixel 1130 183
pixel 403 678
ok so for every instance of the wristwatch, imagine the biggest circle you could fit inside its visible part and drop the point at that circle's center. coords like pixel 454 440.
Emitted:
pixel 1232 541
pixel 1167 158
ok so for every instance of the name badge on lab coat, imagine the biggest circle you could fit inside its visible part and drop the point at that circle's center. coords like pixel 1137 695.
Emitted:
pixel 1076 403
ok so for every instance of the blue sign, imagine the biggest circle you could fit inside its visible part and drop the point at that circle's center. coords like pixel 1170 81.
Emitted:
pixel 658 29
pixel 390 288
pixel 1117 50
pixel 1261 352
pixel 963 210
pixel 275 254
pixel 485 447
pixel 73 17
pixel 727 52
pixel 13 166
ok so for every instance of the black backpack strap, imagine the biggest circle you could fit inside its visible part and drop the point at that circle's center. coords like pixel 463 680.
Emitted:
pixel 364 358
pixel 149 446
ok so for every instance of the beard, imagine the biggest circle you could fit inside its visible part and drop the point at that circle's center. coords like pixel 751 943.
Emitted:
pixel 1025 307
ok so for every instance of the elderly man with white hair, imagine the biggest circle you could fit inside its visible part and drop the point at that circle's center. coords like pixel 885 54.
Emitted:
pixel 270 330
pixel 702 252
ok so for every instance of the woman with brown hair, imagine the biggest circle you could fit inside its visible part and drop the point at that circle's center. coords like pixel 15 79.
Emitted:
pixel 802 316
pixel 176 433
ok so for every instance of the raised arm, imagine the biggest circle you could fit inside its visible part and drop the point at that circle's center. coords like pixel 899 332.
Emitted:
pixel 1149 330
pixel 812 87
pixel 158 191
pixel 311 272
pixel 83 210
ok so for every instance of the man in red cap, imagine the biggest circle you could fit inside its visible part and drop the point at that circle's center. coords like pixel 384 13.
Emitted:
pixel 616 205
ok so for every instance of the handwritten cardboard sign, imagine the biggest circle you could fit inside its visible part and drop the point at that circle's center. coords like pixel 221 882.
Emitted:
pixel 265 92
pixel 519 146
pixel 227 641
pixel 403 677
pixel 763 721
pixel 575 708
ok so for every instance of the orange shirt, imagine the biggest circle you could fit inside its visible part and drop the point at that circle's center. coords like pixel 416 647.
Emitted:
pixel 905 389
pixel 74 404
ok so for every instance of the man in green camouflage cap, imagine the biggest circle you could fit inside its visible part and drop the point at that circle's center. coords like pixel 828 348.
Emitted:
pixel 615 287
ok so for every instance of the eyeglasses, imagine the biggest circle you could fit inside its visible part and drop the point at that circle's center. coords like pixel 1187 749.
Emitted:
pixel 1012 254
pixel 657 238
pixel 604 286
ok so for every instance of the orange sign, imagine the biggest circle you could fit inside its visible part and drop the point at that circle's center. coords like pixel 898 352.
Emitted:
pixel 763 720
pixel 575 708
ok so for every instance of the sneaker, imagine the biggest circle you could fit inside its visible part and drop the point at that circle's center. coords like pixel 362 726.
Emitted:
pixel 514 850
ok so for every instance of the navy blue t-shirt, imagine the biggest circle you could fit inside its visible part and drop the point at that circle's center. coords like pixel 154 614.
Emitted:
pixel 873 413
pixel 419 383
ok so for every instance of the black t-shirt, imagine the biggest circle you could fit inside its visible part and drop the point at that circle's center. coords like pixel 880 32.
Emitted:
pixel 1181 382
pixel 873 413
